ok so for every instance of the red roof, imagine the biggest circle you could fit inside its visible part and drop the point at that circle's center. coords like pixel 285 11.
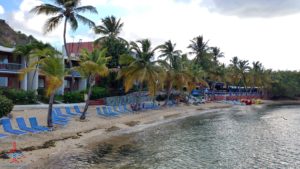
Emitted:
pixel 77 47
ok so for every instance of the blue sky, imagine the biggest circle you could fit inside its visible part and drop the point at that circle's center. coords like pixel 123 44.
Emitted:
pixel 256 30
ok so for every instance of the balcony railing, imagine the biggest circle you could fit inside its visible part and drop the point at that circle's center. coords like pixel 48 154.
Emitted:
pixel 10 66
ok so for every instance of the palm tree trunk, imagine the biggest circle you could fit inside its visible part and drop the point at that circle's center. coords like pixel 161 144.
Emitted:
pixel 168 94
pixel 49 118
pixel 68 55
pixel 87 102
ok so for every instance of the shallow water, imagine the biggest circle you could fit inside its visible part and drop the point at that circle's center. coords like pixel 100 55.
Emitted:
pixel 241 137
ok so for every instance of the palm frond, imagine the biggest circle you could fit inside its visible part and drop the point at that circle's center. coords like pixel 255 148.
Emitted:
pixel 46 9
pixel 88 8
pixel 85 20
pixel 52 23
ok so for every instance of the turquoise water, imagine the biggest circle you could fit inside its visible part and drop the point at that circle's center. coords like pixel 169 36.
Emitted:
pixel 241 137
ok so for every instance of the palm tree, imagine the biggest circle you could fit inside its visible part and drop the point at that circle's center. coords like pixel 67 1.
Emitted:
pixel 39 54
pixel 141 68
pixel 92 65
pixel 176 75
pixel 53 68
pixel 256 74
pixel 110 28
pixel 243 67
pixel 69 10
pixel 217 53
pixel 168 51
pixel 198 47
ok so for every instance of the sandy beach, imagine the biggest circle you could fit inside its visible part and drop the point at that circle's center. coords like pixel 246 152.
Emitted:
pixel 95 129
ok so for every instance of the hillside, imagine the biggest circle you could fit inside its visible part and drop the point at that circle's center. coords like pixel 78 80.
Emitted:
pixel 10 38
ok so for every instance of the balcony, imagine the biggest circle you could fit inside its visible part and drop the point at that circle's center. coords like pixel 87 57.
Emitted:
pixel 13 67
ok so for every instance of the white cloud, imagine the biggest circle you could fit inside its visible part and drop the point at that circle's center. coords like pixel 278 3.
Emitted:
pixel 2 11
pixel 273 41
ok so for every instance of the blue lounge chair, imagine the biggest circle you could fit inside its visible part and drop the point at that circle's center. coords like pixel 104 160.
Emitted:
pixel 34 124
pixel 125 108
pixel 77 109
pixel 106 111
pixel 22 125
pixel 3 135
pixel 110 111
pixel 116 109
pixel 55 117
pixel 8 128
pixel 68 110
pixel 101 113
pixel 59 113
pixel 122 109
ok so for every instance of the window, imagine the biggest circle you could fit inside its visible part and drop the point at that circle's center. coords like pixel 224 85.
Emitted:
pixel 67 84
pixel 4 59
pixel 41 83
pixel 3 81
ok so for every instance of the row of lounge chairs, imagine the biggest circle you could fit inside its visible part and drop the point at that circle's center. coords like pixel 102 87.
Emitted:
pixel 60 118
pixel 115 111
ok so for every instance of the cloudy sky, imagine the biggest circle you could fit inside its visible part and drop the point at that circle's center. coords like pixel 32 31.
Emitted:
pixel 263 30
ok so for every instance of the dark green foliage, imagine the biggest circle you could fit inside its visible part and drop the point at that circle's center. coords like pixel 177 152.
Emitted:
pixel 115 48
pixel 20 96
pixel 99 92
pixel 6 106
pixel 73 97
pixel 285 84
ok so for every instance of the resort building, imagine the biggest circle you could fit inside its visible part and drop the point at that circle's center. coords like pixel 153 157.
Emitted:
pixel 74 49
pixel 10 67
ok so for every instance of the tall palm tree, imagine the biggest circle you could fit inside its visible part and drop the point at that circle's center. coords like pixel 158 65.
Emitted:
pixel 141 68
pixel 199 48
pixel 217 53
pixel 92 64
pixel 256 74
pixel 111 27
pixel 69 10
pixel 53 68
pixel 169 53
pixel 243 67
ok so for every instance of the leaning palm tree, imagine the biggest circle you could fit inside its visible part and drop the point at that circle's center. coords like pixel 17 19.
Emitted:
pixel 69 10
pixel 92 64
pixel 53 68
pixel 199 48
pixel 110 28
pixel 141 68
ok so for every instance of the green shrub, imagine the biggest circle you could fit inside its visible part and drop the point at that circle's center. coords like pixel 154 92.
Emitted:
pixel 20 96
pixel 73 97
pixel 99 92
pixel 6 106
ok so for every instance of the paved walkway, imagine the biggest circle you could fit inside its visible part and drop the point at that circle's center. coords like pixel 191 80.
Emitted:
pixel 44 106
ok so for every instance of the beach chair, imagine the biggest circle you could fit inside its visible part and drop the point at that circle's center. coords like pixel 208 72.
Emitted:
pixel 101 113
pixel 122 109
pixel 22 125
pixel 55 117
pixel 3 135
pixel 110 111
pixel 77 109
pixel 34 124
pixel 8 128
pixel 69 112
pixel 117 110
pixel 59 113
pixel 126 109
pixel 106 111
